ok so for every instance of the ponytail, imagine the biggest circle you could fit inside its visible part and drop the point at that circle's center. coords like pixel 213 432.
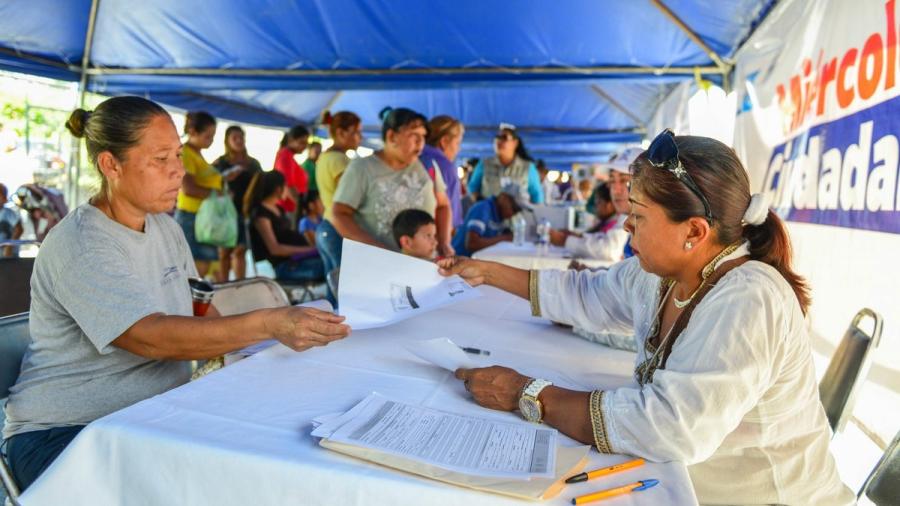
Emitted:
pixel 770 244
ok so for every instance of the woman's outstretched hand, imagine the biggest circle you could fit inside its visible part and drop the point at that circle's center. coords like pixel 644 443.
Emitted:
pixel 472 271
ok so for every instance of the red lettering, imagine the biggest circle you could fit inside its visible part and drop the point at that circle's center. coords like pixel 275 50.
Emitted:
pixel 826 75
pixel 872 58
pixel 796 102
pixel 844 94
pixel 779 90
pixel 891 45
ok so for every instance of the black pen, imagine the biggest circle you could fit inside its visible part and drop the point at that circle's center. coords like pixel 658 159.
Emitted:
pixel 475 351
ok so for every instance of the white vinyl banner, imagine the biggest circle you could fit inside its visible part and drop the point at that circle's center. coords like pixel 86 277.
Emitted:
pixel 817 127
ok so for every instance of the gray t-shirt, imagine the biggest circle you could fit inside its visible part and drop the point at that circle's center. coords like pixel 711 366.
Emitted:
pixel 379 193
pixel 93 279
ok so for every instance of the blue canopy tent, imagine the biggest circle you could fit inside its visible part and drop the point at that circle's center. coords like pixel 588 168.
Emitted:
pixel 578 77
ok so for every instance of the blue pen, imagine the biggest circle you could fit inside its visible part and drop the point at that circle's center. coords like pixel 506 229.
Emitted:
pixel 605 494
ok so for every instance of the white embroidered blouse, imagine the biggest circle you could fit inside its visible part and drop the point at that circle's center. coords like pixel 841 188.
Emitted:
pixel 737 399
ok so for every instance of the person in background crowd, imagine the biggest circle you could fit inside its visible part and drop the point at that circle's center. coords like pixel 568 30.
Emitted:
pixel 293 143
pixel 510 164
pixel 274 239
pixel 724 379
pixel 605 240
pixel 551 191
pixel 111 318
pixel 238 168
pixel 10 223
pixel 312 216
pixel 442 145
pixel 309 165
pixel 415 232
pixel 376 188
pixel 345 129
pixel 200 179
pixel 484 223
pixel 578 192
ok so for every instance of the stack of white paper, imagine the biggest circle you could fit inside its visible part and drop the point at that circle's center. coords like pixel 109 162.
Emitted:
pixel 378 287
pixel 464 444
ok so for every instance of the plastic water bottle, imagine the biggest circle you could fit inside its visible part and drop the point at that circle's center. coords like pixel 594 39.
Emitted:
pixel 543 231
pixel 518 227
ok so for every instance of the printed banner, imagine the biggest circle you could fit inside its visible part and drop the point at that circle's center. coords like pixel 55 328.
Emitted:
pixel 820 113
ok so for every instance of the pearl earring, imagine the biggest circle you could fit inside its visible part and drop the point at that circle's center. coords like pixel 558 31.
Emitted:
pixel 688 245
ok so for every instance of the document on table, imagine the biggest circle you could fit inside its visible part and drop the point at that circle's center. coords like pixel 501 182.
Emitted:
pixel 441 352
pixel 378 287
pixel 461 443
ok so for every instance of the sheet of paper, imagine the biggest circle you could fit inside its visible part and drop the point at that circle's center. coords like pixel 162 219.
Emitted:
pixel 441 352
pixel 466 444
pixel 378 287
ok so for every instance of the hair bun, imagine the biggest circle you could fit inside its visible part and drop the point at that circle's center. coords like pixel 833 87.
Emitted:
pixel 383 115
pixel 327 118
pixel 77 122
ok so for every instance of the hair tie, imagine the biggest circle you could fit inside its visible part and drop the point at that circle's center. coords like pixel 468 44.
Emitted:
pixel 757 211
pixel 385 113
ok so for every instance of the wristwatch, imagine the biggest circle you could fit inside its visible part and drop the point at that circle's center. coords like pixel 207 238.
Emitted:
pixel 529 405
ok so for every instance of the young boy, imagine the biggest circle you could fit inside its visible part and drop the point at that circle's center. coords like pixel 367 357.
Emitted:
pixel 415 232
pixel 312 216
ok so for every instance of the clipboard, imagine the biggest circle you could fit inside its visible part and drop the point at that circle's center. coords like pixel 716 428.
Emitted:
pixel 569 460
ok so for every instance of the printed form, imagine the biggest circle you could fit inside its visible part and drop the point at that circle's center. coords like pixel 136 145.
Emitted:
pixel 467 444
pixel 378 287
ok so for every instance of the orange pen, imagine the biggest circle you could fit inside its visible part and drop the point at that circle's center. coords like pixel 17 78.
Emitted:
pixel 605 494
pixel 596 473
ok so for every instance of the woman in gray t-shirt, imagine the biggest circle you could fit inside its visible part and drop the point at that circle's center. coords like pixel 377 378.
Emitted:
pixel 374 189
pixel 111 312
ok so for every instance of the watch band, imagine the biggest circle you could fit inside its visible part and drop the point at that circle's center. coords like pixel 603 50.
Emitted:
pixel 533 389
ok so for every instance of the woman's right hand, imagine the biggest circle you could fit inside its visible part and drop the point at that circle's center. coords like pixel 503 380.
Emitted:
pixel 301 328
pixel 472 271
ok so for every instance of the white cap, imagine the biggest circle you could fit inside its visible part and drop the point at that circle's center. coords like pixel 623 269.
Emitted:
pixel 621 160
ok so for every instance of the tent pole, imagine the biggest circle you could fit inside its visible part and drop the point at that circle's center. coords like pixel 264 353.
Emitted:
pixel 723 68
pixel 512 71
pixel 82 92
pixel 613 102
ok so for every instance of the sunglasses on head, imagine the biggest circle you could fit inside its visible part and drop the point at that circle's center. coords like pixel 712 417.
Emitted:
pixel 663 154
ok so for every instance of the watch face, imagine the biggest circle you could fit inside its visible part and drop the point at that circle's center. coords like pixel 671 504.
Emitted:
pixel 531 409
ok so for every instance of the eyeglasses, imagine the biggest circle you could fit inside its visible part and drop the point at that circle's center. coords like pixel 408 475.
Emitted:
pixel 504 137
pixel 663 153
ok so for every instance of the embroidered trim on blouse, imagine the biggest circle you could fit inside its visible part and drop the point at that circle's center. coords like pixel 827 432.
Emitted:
pixel 598 422
pixel 533 293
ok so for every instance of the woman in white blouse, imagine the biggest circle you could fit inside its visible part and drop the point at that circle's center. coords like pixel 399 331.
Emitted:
pixel 724 379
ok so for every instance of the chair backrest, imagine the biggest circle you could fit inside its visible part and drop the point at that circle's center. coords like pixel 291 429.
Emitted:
pixel 236 297
pixel 848 369
pixel 882 487
pixel 14 339
pixel 15 297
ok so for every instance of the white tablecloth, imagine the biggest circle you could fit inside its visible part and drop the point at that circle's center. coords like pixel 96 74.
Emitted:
pixel 531 256
pixel 240 436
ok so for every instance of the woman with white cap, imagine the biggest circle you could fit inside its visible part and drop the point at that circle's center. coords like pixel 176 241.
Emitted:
pixel 608 243
pixel 724 379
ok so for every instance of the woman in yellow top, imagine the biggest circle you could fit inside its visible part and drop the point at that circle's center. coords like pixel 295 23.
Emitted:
pixel 200 179
pixel 345 129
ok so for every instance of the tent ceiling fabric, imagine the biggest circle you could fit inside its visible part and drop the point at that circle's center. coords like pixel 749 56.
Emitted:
pixel 551 69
